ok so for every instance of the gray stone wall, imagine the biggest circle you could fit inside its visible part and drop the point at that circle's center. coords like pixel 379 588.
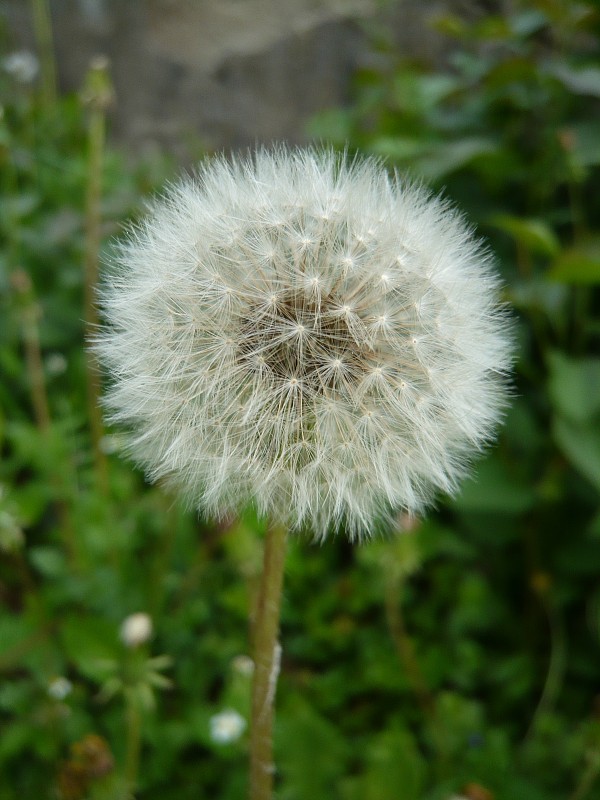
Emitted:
pixel 222 73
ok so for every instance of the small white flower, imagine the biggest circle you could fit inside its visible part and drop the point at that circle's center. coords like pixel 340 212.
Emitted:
pixel 60 688
pixel 226 726
pixel 56 364
pixel 244 665
pixel 306 333
pixel 136 629
pixel 22 65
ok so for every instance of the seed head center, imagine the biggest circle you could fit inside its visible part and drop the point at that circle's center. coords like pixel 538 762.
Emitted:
pixel 320 345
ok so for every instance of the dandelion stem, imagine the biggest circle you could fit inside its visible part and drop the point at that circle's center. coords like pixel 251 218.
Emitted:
pixel 267 654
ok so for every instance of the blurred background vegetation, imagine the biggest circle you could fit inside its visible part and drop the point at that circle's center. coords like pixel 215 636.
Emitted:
pixel 459 659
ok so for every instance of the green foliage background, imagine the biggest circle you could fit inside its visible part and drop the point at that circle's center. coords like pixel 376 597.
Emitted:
pixel 462 656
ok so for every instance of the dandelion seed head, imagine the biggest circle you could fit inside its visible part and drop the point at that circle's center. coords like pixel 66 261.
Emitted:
pixel 306 333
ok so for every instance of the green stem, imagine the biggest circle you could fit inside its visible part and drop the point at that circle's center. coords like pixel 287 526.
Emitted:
pixel 42 24
pixel 30 313
pixel 556 664
pixel 267 653
pixel 134 744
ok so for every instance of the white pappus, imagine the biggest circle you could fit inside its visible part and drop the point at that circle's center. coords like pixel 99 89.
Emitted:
pixel 306 332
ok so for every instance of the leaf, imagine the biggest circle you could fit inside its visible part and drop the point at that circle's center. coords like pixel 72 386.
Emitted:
pixel 303 734
pixel 581 445
pixel 524 23
pixel 452 156
pixel 493 489
pixel 459 719
pixel 584 81
pixel 333 124
pixel 533 234
pixel 395 767
pixel 48 561
pixel 432 159
pixel 91 644
pixel 578 265
pixel 574 386
pixel 585 142
pixel 399 148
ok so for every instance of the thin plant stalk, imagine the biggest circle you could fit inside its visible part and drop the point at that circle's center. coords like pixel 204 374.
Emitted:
pixel 42 24
pixel 133 721
pixel 588 778
pixel 558 653
pixel 267 655
pixel 97 95
pixel 30 314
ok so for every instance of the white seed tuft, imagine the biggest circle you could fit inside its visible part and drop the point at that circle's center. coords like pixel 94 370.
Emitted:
pixel 308 334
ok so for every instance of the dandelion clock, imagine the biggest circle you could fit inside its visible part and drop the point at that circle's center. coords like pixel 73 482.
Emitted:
pixel 313 336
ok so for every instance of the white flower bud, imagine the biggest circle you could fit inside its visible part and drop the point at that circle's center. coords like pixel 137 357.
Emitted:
pixel 136 629
pixel 22 65
pixel 59 688
pixel 243 665
pixel 226 727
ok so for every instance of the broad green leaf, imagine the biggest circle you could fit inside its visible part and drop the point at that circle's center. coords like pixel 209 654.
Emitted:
pixel 533 234
pixel 451 156
pixel 574 386
pixel 399 148
pixel 333 125
pixel 459 719
pixel 581 445
pixel 312 755
pixel 584 81
pixel 395 767
pixel 578 265
pixel 90 643
pixel 524 23
pixel 48 561
pixel 15 634
pixel 585 138
pixel 494 489
pixel 417 94
pixel 436 87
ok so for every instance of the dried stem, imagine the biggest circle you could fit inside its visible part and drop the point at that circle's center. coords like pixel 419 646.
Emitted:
pixel 97 95
pixel 267 654
pixel 134 746
pixel 42 24
pixel 558 652
pixel 30 313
